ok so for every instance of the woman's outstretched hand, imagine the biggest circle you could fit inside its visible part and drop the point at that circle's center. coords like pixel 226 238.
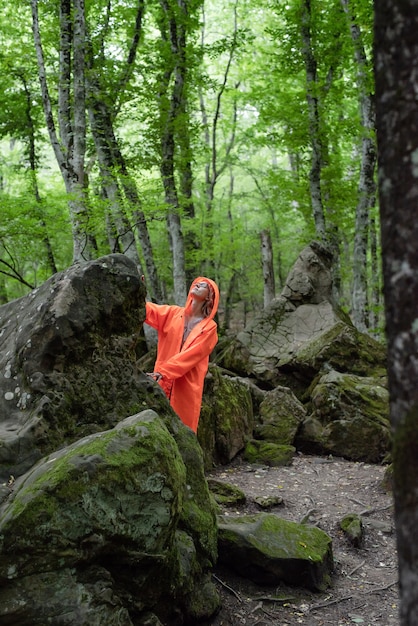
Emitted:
pixel 155 376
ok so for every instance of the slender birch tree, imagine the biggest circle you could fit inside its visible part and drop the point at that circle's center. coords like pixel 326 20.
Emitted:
pixel 174 24
pixel 268 269
pixel 316 139
pixel 367 185
pixel 117 182
pixel 69 144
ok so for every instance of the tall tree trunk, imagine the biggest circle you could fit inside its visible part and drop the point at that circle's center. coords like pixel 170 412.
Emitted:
pixel 314 122
pixel 120 188
pixel 172 104
pixel 396 70
pixel 228 300
pixel 367 186
pixel 215 167
pixel 99 125
pixel 276 230
pixel 173 218
pixel 180 94
pixel 268 270
pixel 34 179
pixel 69 149
pixel 118 179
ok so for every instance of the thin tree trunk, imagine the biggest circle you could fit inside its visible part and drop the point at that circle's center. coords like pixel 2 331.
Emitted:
pixel 173 218
pixel 180 94
pixel 367 186
pixel 171 106
pixel 268 270
pixel 115 166
pixel 69 149
pixel 396 71
pixel 314 122
pixel 99 125
pixel 228 301
pixel 276 231
pixel 34 179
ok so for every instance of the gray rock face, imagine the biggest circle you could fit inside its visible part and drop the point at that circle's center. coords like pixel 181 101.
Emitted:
pixel 302 331
pixel 103 490
pixel 310 279
pixel 64 348
pixel 323 382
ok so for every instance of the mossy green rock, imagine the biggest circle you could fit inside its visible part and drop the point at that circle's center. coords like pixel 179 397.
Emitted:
pixel 100 521
pixel 272 454
pixel 226 418
pixel 352 527
pixel 280 416
pixel 349 418
pixel 226 494
pixel 270 550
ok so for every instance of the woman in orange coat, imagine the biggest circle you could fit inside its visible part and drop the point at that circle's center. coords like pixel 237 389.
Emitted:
pixel 186 337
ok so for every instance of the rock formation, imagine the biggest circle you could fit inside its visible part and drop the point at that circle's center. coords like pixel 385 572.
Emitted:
pixel 103 490
pixel 317 383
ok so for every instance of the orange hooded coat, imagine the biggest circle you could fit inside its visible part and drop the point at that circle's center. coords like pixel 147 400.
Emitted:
pixel 183 368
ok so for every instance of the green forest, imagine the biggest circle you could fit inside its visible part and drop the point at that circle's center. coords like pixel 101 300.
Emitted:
pixel 209 138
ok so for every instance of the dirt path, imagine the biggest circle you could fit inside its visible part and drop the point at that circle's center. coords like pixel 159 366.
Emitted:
pixel 323 490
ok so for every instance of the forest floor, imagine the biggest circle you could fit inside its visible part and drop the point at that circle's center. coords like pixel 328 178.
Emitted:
pixel 364 586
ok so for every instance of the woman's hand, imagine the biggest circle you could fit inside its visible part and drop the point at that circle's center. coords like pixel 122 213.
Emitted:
pixel 155 376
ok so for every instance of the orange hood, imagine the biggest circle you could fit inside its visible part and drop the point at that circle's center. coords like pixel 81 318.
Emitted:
pixel 214 286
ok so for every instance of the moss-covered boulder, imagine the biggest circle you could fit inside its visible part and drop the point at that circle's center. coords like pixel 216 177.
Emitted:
pixel 349 418
pixel 68 360
pixel 97 523
pixel 226 419
pixel 267 453
pixel 280 416
pixel 270 550
pixel 226 494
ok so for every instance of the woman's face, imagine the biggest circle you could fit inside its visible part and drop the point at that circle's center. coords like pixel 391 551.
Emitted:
pixel 201 290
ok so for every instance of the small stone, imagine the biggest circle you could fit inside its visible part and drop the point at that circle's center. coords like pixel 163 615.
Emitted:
pixel 267 502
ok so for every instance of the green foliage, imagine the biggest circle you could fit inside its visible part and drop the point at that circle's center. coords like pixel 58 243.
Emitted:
pixel 246 121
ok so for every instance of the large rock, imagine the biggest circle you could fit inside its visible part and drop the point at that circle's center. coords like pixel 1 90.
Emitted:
pixel 97 523
pixel 349 418
pixel 292 345
pixel 310 279
pixel 302 331
pixel 270 550
pixel 280 416
pixel 67 361
pixel 69 371
pixel 269 453
pixel 227 417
